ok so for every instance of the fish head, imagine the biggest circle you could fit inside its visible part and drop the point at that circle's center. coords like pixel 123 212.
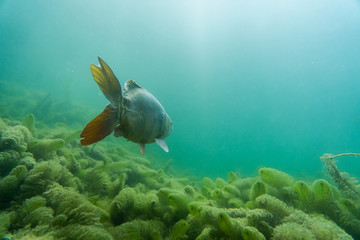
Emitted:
pixel 167 126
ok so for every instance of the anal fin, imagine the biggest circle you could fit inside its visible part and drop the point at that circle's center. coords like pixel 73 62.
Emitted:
pixel 142 148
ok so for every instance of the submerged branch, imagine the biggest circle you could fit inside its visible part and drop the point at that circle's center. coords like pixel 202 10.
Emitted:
pixel 344 154
pixel 340 178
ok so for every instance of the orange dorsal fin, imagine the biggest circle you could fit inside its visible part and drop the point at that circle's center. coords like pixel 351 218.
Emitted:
pixel 100 127
pixel 107 81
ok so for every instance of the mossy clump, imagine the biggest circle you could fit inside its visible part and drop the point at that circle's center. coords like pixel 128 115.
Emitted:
pixel 322 191
pixel 138 230
pixel 232 177
pixel 10 185
pixel 292 231
pixel 232 227
pixel 304 193
pixel 66 134
pixel 88 232
pixel 75 206
pixel 251 233
pixel 45 148
pixel 33 212
pixel 275 177
pixel 273 205
pixel 44 174
pixel 8 160
pixel 317 225
pixel 97 182
pixel 257 189
pixel 29 123
pixel 179 230
pixel 15 138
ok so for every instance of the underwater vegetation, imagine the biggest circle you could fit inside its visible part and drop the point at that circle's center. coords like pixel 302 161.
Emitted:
pixel 23 105
pixel 51 187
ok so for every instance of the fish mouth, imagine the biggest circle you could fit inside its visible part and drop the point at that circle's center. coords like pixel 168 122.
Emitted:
pixel 171 127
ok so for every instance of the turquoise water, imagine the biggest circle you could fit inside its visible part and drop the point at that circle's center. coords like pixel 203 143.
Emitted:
pixel 246 83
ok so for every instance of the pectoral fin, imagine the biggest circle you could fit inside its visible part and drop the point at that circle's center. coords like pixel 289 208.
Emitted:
pixel 161 142
pixel 142 148
pixel 118 132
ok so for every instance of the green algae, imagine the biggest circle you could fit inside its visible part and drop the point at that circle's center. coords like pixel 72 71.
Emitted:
pixel 56 189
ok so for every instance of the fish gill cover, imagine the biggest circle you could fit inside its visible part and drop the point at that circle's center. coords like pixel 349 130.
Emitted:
pixel 258 91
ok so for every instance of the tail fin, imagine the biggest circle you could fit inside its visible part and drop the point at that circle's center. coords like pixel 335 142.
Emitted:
pixel 100 127
pixel 105 122
pixel 107 81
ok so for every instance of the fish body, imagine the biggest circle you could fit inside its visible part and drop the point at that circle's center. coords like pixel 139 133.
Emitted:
pixel 134 114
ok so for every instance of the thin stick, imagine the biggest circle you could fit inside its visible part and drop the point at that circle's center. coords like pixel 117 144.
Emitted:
pixel 344 154
pixel 93 148
pixel 337 172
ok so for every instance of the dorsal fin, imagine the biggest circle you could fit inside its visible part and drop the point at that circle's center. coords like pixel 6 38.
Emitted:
pixel 130 84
